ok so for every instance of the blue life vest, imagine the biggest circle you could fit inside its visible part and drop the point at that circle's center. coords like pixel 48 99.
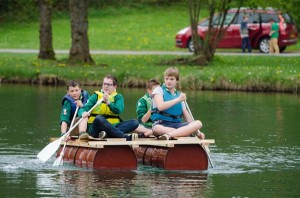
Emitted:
pixel 174 113
pixel 84 99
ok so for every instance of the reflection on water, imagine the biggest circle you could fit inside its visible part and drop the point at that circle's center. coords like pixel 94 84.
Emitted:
pixel 144 182
pixel 256 152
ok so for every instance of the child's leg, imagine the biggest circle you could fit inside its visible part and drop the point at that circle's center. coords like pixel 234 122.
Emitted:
pixel 159 129
pixel 142 129
pixel 82 127
pixel 186 130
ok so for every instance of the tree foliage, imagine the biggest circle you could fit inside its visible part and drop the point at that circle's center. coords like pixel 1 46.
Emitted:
pixel 204 50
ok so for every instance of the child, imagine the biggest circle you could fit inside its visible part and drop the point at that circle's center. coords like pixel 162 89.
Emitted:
pixel 274 34
pixel 104 120
pixel 143 110
pixel 168 109
pixel 74 98
pixel 244 31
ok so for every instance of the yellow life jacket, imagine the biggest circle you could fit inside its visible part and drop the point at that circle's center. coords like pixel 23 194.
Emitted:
pixel 104 110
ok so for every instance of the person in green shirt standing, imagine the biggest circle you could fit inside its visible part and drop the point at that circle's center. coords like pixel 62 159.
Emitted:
pixel 104 120
pixel 274 34
pixel 75 97
pixel 143 110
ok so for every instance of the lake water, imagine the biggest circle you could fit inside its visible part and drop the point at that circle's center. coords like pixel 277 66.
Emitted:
pixel 256 153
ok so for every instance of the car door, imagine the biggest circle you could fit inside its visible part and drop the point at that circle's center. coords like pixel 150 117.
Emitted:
pixel 230 32
pixel 255 27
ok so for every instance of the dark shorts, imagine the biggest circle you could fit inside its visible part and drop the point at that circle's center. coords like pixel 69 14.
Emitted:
pixel 174 125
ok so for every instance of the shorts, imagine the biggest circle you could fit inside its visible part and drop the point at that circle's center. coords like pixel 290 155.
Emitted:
pixel 174 125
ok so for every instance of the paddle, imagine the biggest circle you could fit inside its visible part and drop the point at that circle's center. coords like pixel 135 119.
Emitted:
pixel 59 161
pixel 198 132
pixel 52 147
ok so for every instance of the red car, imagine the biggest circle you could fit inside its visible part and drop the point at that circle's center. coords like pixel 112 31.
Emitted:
pixel 259 30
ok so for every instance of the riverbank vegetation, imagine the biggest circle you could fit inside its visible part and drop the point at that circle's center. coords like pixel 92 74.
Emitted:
pixel 139 28
pixel 238 73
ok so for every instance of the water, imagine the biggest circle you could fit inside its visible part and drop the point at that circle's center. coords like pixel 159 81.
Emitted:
pixel 256 152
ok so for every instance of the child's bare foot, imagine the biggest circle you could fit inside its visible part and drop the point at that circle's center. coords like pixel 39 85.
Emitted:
pixel 148 133
pixel 201 135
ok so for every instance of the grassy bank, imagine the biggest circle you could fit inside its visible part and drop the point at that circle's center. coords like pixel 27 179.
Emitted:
pixel 146 28
pixel 247 73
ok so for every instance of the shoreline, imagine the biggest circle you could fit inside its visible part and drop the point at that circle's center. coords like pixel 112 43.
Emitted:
pixel 225 73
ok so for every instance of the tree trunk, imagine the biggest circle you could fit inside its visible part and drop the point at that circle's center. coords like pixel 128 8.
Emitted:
pixel 79 51
pixel 46 47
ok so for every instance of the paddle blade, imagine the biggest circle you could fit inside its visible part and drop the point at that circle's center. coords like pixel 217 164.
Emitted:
pixel 49 150
pixel 59 161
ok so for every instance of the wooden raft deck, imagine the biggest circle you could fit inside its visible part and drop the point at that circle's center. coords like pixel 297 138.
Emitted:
pixel 100 143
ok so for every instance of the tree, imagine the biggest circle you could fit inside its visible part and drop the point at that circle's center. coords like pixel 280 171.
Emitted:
pixel 291 7
pixel 79 51
pixel 204 50
pixel 46 47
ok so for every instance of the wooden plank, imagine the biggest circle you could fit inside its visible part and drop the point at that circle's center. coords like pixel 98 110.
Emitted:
pixel 95 143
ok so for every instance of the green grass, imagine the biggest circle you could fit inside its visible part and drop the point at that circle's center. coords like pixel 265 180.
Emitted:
pixel 122 28
pixel 147 28
pixel 262 73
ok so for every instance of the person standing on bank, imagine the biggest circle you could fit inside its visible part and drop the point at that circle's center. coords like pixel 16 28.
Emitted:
pixel 244 31
pixel 168 108
pixel 274 34
pixel 75 97
pixel 104 120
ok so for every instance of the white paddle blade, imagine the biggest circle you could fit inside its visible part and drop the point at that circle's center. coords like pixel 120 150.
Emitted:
pixel 59 161
pixel 49 150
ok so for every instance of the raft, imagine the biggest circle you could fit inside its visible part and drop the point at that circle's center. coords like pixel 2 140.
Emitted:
pixel 184 153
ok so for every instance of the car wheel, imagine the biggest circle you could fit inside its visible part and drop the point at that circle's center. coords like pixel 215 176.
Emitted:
pixel 281 49
pixel 191 45
pixel 263 45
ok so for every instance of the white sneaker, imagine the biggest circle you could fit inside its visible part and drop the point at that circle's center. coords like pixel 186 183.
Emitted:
pixel 83 136
pixel 102 134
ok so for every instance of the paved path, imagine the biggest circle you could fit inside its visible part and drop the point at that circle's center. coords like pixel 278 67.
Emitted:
pixel 133 52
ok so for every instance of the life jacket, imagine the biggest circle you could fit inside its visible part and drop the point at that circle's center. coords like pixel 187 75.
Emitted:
pixel 104 110
pixel 84 99
pixel 174 113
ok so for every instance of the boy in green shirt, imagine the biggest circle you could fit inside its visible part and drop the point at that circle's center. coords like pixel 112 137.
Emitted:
pixel 75 97
pixel 274 34
pixel 143 110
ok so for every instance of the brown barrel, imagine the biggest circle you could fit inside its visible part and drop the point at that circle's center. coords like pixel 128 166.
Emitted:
pixel 186 157
pixel 159 156
pixel 109 157
pixel 148 155
pixel 140 153
pixel 179 157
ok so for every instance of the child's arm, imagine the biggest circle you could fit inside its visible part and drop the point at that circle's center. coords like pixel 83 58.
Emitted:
pixel 63 127
pixel 163 105
pixel 147 116
pixel 186 114
pixel 65 116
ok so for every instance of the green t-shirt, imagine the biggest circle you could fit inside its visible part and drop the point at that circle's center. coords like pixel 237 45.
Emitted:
pixel 142 107
pixel 275 28
pixel 65 115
